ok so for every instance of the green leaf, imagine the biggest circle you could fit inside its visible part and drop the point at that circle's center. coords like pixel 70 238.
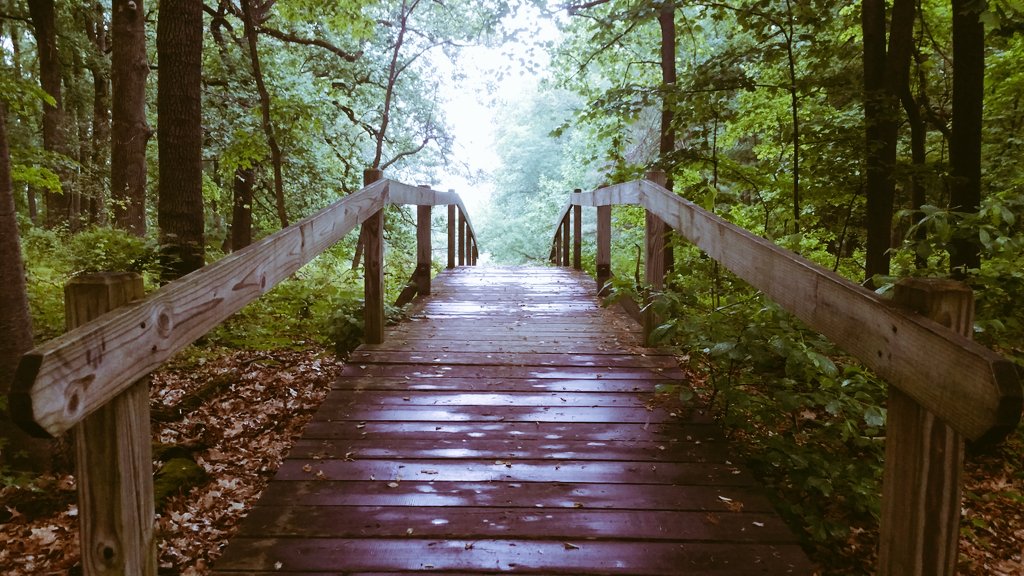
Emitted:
pixel 874 416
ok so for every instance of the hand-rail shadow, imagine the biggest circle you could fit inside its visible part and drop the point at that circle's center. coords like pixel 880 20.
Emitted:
pixel 933 371
pixel 91 379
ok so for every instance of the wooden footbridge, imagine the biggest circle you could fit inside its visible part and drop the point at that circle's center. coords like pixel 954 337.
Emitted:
pixel 512 424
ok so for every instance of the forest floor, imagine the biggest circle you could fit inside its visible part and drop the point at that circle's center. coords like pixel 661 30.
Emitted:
pixel 254 404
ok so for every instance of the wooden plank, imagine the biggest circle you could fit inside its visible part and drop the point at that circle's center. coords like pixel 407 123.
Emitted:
pixel 467 371
pixel 527 523
pixel 443 470
pixel 598 414
pixel 716 499
pixel 607 359
pixel 518 398
pixel 602 432
pixel 411 384
pixel 369 447
pixel 521 556
pixel 974 390
pixel 100 359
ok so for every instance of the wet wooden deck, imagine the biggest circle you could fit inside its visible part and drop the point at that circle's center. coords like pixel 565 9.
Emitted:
pixel 511 426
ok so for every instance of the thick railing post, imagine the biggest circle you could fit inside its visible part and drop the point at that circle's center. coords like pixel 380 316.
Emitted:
pixel 556 252
pixel 451 235
pixel 423 249
pixel 604 248
pixel 373 269
pixel 113 447
pixel 476 251
pixel 462 238
pixel 566 245
pixel 577 236
pixel 920 519
pixel 654 259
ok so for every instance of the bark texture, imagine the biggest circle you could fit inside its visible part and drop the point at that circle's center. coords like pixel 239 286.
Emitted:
pixel 180 137
pixel 129 131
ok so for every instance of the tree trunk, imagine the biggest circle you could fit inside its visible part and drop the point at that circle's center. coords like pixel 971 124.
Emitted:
pixel 44 21
pixel 96 29
pixel 241 213
pixel 667 141
pixel 129 130
pixel 965 145
pixel 179 44
pixel 794 105
pixel 880 132
pixel 19 449
pixel 251 19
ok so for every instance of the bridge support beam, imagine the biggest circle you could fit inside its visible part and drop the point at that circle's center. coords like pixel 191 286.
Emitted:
pixel 577 235
pixel 604 249
pixel 654 259
pixel 373 269
pixel 462 238
pixel 920 518
pixel 113 449
pixel 451 234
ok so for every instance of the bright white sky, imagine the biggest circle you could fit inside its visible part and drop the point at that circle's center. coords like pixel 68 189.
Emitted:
pixel 471 103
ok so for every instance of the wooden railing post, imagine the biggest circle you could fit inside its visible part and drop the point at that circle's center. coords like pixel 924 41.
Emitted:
pixel 604 248
pixel 113 447
pixel 423 249
pixel 566 245
pixel 654 258
pixel 577 236
pixel 462 238
pixel 920 519
pixel 373 269
pixel 451 234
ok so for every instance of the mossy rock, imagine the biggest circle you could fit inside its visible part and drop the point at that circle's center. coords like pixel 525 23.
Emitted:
pixel 177 475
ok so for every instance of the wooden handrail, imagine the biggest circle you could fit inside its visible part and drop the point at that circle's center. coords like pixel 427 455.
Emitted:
pixel 943 387
pixel 60 382
pixel 971 388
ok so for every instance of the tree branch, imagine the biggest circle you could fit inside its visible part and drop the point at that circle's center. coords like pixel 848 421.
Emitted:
pixel 292 38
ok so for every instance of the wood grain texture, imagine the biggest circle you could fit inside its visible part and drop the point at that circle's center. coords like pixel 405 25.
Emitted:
pixel 113 452
pixel 431 456
pixel 971 388
pixel 920 517
pixel 69 377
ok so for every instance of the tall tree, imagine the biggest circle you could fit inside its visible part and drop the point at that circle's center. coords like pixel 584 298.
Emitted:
pixel 253 14
pixel 179 41
pixel 16 447
pixel 965 144
pixel 129 131
pixel 886 80
pixel 96 30
pixel 241 207
pixel 44 22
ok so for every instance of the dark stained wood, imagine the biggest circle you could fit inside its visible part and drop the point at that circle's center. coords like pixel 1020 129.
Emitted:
pixel 513 424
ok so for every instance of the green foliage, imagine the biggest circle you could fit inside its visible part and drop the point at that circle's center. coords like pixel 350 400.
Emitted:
pixel 810 418
pixel 52 257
